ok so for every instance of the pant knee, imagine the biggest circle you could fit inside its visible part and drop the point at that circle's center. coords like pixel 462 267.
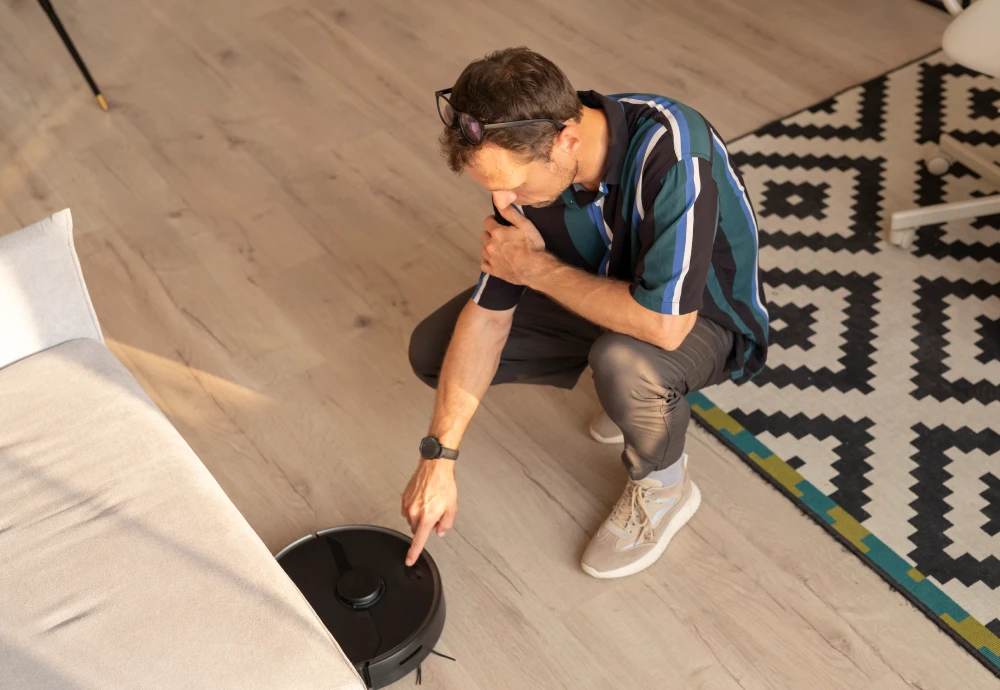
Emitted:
pixel 426 353
pixel 625 376
pixel 616 372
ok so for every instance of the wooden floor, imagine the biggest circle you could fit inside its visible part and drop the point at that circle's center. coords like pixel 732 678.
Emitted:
pixel 262 218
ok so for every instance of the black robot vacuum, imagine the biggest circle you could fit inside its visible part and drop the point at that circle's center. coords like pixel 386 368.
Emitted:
pixel 386 616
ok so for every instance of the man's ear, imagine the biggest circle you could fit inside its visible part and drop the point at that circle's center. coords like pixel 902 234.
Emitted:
pixel 569 138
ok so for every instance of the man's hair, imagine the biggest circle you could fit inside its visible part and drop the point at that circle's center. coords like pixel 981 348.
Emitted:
pixel 508 85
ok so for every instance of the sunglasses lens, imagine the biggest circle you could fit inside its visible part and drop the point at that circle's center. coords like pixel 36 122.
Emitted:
pixel 445 111
pixel 472 128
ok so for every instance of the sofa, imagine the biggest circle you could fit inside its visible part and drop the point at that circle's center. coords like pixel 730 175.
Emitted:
pixel 122 562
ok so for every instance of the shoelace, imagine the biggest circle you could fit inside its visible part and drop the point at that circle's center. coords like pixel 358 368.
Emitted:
pixel 632 503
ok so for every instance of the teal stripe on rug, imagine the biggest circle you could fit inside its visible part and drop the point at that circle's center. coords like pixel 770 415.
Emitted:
pixel 901 572
pixel 818 502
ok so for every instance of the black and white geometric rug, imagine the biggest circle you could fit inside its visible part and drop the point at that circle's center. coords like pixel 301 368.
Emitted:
pixel 879 413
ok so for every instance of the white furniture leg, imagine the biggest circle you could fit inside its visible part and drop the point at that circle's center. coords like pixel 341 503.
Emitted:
pixel 938 160
pixel 970 158
pixel 942 213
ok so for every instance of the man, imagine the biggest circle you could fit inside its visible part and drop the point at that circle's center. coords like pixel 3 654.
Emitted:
pixel 629 242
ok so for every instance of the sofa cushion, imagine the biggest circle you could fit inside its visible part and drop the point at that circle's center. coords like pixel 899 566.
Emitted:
pixel 122 562
pixel 43 300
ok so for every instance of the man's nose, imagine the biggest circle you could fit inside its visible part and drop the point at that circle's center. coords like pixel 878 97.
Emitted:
pixel 504 199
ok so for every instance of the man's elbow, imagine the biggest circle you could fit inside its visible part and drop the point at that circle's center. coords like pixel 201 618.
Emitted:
pixel 668 341
pixel 671 330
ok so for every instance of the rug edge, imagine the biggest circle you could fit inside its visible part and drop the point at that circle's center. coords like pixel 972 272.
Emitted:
pixel 844 90
pixel 895 585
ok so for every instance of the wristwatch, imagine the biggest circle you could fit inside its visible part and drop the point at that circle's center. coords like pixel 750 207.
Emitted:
pixel 431 448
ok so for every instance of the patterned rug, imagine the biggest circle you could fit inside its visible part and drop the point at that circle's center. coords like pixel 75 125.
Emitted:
pixel 880 410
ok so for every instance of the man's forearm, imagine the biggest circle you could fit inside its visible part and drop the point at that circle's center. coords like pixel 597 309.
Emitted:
pixel 469 367
pixel 608 303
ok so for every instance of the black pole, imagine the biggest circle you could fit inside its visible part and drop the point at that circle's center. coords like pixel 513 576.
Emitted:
pixel 54 18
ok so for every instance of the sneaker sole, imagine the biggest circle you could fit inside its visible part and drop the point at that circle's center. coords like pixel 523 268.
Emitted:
pixel 684 514
pixel 609 440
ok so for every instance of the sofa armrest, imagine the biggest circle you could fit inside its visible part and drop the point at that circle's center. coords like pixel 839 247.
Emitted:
pixel 43 298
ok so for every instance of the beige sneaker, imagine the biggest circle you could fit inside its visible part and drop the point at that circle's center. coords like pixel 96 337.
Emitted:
pixel 603 430
pixel 641 525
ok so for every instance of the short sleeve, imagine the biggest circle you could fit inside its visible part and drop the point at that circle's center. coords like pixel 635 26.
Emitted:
pixel 495 294
pixel 676 236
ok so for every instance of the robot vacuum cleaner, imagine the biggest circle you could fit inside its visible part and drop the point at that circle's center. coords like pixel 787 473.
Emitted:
pixel 386 616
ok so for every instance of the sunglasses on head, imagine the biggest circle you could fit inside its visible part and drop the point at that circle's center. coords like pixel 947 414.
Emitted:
pixel 472 129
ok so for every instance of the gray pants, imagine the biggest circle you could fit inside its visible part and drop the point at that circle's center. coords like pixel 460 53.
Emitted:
pixel 641 386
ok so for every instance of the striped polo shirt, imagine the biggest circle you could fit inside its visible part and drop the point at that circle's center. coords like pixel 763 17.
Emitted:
pixel 671 216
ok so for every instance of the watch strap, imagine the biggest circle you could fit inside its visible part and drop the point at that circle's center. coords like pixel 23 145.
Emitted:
pixel 431 449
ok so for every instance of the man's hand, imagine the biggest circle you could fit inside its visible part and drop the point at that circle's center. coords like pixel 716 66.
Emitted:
pixel 430 502
pixel 515 253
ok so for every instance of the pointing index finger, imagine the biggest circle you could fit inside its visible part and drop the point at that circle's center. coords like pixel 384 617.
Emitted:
pixel 419 540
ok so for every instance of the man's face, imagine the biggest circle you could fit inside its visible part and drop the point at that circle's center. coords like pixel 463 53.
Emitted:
pixel 512 181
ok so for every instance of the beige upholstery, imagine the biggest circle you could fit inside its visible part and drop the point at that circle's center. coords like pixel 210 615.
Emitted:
pixel 973 37
pixel 122 562
pixel 43 301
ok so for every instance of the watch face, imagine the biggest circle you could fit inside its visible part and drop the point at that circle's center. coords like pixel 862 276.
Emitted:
pixel 430 448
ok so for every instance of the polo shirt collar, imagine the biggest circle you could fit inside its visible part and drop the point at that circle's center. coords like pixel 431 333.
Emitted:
pixel 618 134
